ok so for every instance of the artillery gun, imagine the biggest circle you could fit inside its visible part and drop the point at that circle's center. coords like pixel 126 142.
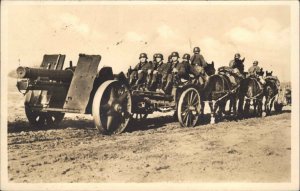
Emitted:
pixel 51 91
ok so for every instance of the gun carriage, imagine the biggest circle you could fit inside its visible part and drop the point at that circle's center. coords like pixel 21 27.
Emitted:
pixel 51 91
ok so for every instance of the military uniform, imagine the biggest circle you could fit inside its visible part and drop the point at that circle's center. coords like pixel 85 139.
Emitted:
pixel 139 73
pixel 160 73
pixel 198 60
pixel 185 69
pixel 181 70
pixel 253 69
pixel 237 63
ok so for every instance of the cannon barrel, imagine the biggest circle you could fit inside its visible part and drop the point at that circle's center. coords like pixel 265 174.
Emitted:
pixel 34 73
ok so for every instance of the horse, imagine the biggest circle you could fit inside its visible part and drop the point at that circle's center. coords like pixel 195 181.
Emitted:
pixel 252 89
pixel 271 89
pixel 217 91
pixel 234 78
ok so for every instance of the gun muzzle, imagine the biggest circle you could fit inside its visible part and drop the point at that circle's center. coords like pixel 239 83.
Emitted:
pixel 34 73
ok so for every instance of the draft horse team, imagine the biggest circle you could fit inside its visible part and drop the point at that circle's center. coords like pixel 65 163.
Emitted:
pixel 229 83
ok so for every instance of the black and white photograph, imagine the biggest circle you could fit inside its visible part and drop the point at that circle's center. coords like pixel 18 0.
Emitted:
pixel 149 95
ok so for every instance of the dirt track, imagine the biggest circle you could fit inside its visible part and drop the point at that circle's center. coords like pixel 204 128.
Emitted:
pixel 157 150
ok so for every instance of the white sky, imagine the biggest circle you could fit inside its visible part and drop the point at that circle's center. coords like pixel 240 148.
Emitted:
pixel 258 32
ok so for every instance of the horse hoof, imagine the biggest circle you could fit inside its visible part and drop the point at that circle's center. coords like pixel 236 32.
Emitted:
pixel 212 121
pixel 264 114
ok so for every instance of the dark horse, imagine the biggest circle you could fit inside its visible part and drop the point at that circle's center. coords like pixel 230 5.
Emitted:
pixel 252 89
pixel 217 91
pixel 270 91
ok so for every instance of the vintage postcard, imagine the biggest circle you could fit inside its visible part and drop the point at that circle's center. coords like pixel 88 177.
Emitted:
pixel 149 95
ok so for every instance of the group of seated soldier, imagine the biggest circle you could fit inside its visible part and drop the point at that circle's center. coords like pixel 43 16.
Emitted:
pixel 159 76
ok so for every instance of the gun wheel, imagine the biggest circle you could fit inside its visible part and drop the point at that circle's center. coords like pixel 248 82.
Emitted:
pixel 111 107
pixel 43 119
pixel 189 108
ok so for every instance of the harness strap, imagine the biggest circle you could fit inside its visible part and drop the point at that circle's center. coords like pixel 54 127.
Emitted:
pixel 255 97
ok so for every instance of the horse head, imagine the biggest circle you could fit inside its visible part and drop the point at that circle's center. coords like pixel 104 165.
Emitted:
pixel 210 69
pixel 260 72
pixel 269 73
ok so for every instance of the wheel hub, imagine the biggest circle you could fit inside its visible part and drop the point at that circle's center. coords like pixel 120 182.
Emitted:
pixel 117 107
pixel 192 108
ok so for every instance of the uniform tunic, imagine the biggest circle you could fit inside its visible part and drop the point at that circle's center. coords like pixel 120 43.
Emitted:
pixel 239 64
pixel 185 69
pixel 253 69
pixel 162 68
pixel 144 66
pixel 198 60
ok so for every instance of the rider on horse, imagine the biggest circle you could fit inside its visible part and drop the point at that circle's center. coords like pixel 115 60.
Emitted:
pixel 198 62
pixel 235 71
pixel 238 64
pixel 257 72
pixel 254 69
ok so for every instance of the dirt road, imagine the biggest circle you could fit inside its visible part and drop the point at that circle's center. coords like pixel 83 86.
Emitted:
pixel 255 150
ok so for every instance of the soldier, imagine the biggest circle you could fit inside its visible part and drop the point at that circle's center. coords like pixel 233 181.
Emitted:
pixel 185 68
pixel 160 72
pixel 198 62
pixel 197 59
pixel 141 70
pixel 181 70
pixel 257 72
pixel 238 63
pixel 253 69
pixel 154 60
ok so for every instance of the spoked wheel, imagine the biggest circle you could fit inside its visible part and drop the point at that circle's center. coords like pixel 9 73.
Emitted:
pixel 189 108
pixel 43 119
pixel 112 107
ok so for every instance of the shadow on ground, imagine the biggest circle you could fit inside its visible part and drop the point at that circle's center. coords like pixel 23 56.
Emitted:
pixel 20 125
pixel 23 125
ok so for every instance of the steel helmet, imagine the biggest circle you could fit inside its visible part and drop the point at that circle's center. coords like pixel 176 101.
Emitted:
pixel 175 54
pixel 237 55
pixel 186 56
pixel 196 49
pixel 154 56
pixel 143 55
pixel 159 55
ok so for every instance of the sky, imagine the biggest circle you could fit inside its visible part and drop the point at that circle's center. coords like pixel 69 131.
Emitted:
pixel 119 33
